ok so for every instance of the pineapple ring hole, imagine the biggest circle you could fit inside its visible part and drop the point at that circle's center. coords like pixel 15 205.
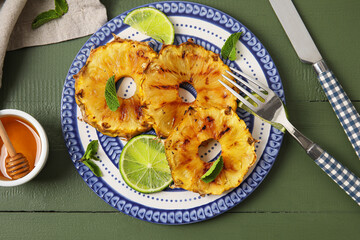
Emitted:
pixel 209 150
pixel 125 87
pixel 187 92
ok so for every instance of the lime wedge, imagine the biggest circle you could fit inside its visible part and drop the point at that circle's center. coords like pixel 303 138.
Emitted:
pixel 243 106
pixel 153 23
pixel 214 170
pixel 143 164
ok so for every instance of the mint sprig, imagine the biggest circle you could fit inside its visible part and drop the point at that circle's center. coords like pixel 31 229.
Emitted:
pixel 110 94
pixel 91 150
pixel 89 155
pixel 61 7
pixel 228 51
pixel 93 167
pixel 43 18
pixel 214 170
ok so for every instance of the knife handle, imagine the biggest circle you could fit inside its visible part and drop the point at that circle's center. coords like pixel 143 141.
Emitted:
pixel 343 108
pixel 341 175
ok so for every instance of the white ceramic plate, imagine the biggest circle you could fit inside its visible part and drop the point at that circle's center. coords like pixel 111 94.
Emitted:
pixel 210 28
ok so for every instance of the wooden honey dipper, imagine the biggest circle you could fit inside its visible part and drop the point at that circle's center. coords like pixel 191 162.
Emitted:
pixel 16 164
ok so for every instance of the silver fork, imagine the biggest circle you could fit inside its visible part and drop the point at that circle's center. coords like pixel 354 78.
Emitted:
pixel 272 109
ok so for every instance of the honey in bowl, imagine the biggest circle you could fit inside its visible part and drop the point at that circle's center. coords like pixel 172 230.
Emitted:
pixel 25 140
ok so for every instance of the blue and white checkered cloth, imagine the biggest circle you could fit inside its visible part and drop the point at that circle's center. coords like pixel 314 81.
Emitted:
pixel 344 109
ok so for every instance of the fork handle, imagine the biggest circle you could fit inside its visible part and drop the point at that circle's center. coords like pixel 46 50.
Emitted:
pixel 347 180
pixel 341 104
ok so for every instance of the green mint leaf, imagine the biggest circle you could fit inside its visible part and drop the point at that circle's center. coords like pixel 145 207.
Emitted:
pixel 214 170
pixel 110 94
pixel 44 18
pixel 89 154
pixel 61 7
pixel 93 167
pixel 91 150
pixel 228 51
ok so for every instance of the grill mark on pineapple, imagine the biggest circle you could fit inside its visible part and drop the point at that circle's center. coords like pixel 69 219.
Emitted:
pixel 167 87
pixel 208 124
pixel 80 93
pixel 191 80
pixel 138 111
pixel 186 163
pixel 105 125
pixel 216 73
pixel 251 140
pixel 207 72
pixel 209 119
pixel 140 53
pixel 166 70
pixel 207 166
pixel 168 105
pixel 224 131
pixel 228 111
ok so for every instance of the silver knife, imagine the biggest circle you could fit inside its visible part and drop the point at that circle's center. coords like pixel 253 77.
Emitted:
pixel 308 53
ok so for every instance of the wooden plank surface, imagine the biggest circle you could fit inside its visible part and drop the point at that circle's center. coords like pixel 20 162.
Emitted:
pixel 295 201
pixel 276 225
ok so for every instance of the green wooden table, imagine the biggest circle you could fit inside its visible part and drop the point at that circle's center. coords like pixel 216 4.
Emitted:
pixel 295 201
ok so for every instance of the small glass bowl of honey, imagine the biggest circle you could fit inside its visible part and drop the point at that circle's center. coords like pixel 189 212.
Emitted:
pixel 28 137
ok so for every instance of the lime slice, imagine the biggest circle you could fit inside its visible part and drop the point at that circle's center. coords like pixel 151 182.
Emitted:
pixel 143 164
pixel 214 170
pixel 243 106
pixel 153 23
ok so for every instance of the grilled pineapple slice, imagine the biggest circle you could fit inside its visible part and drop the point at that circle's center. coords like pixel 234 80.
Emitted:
pixel 185 63
pixel 200 125
pixel 122 58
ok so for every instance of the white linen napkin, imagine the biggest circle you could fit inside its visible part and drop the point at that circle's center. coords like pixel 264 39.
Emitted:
pixel 83 18
pixel 9 13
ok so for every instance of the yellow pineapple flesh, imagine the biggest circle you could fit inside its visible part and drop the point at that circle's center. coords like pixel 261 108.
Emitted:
pixel 122 58
pixel 177 64
pixel 198 126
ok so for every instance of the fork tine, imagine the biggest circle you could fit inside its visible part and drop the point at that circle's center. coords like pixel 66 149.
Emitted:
pixel 252 87
pixel 243 100
pixel 251 80
pixel 257 101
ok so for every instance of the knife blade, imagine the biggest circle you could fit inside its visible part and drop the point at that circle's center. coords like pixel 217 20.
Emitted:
pixel 307 51
pixel 296 31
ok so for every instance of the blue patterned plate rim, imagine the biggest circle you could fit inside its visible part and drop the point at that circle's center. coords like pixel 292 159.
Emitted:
pixel 175 216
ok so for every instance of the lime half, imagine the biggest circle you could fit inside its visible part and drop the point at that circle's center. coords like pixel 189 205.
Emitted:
pixel 153 23
pixel 143 164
